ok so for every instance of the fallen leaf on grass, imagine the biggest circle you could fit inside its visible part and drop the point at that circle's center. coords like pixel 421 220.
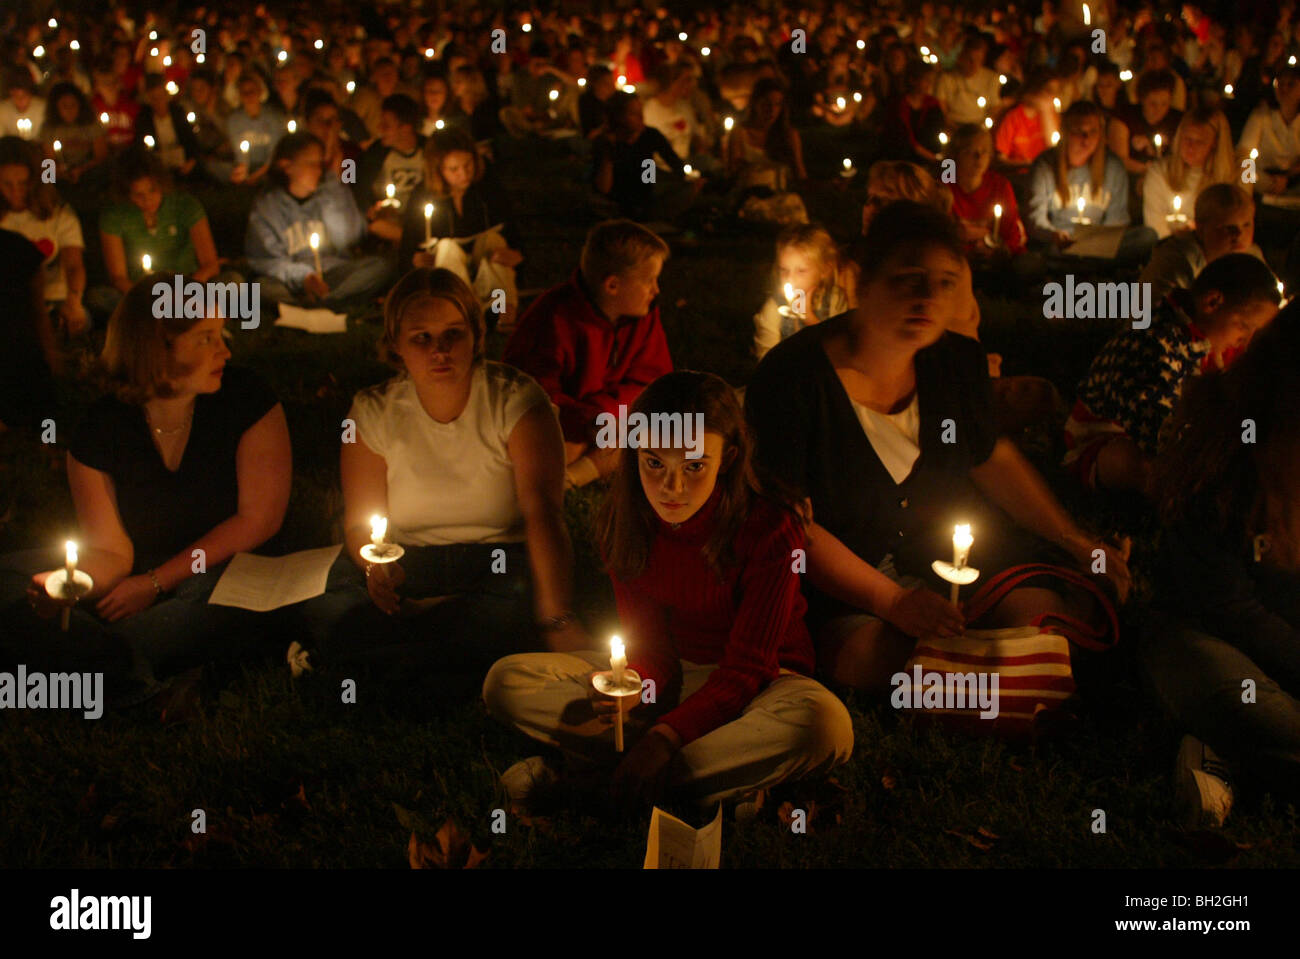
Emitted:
pixel 451 849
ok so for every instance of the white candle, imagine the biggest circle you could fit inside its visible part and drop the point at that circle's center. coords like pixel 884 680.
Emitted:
pixel 961 544
pixel 70 560
pixel 391 192
pixel 617 660
pixel 1177 216
pixel 378 527
pixel 1156 139
pixel 146 261
pixel 997 222
pixel 1087 16
pixel 315 252
pixel 428 224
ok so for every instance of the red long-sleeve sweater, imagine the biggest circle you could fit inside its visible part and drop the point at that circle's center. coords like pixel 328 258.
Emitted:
pixel 977 207
pixel 750 622
pixel 587 364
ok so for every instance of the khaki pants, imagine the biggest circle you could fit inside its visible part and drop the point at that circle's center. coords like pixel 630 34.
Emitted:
pixel 795 727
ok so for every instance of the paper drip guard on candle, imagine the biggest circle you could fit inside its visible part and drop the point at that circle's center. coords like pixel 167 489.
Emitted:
pixel 378 551
pixel 58 588
pixel 604 684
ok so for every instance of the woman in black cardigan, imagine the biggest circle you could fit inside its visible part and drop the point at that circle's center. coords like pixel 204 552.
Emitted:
pixel 882 419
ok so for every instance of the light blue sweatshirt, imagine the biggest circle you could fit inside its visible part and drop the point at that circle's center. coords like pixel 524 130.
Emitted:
pixel 1107 207
pixel 278 242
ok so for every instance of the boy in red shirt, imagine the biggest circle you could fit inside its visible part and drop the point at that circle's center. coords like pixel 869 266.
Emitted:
pixel 595 342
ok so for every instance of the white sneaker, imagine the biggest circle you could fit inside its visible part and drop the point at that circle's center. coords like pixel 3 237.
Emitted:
pixel 298 659
pixel 1202 792
pixel 525 775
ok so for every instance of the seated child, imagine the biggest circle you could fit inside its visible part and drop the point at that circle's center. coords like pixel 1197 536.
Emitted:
pixel 1224 223
pixel 809 265
pixel 595 342
pixel 712 615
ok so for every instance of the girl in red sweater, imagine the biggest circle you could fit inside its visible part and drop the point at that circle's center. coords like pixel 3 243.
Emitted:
pixel 706 573
pixel 978 190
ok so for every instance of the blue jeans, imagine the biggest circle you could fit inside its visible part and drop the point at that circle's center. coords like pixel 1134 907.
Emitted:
pixel 1197 678
pixel 489 616
pixel 177 632
pixel 352 285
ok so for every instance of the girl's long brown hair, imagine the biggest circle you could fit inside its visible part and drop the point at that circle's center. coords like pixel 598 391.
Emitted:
pixel 1250 487
pixel 1077 111
pixel 626 523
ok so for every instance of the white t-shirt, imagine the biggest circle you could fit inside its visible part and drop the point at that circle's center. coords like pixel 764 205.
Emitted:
pixel 960 94
pixel 1278 142
pixel 9 116
pixel 1158 197
pixel 677 123
pixel 50 237
pixel 449 482
pixel 896 437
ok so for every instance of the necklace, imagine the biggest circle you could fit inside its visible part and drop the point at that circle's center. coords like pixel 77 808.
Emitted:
pixel 158 430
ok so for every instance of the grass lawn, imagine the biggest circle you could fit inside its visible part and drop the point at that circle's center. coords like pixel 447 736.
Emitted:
pixel 288 775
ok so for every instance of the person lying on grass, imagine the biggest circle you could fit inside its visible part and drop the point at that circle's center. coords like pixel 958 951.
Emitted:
pixel 884 419
pixel 182 464
pixel 704 568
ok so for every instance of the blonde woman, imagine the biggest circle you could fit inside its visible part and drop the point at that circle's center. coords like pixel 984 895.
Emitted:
pixel 1201 155
pixel 1079 182
pixel 820 286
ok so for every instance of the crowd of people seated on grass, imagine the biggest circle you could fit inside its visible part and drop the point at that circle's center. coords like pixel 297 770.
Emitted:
pixel 360 163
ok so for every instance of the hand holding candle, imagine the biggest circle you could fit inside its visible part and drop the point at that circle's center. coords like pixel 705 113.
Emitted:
pixel 68 585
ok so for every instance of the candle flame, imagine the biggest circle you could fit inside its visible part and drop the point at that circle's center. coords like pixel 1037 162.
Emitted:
pixel 997 209
pixel 314 240
pixel 943 138
pixel 961 535
pixel 1157 141
pixel 728 123
pixel 243 146
pixel 147 262
pixel 58 145
pixel 848 164
pixel 291 126
pixel 1087 16
pixel 378 528
pixel 1080 203
pixel 70 547
pixel 428 211
pixel 616 649
pixel 840 103
pixel 1178 203
pixel 988 123
pixel 980 102
pixel 390 190
pixel 1056 137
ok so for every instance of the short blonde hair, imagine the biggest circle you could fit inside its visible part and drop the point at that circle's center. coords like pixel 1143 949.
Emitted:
pixel 615 247
pixel 136 363
pixel 434 284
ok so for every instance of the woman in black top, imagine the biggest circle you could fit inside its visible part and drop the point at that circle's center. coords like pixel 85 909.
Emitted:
pixel 465 204
pixel 885 502
pixel 184 463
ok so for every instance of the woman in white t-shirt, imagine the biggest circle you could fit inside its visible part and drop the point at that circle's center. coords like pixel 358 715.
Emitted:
pixel 465 460
pixel 32 208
